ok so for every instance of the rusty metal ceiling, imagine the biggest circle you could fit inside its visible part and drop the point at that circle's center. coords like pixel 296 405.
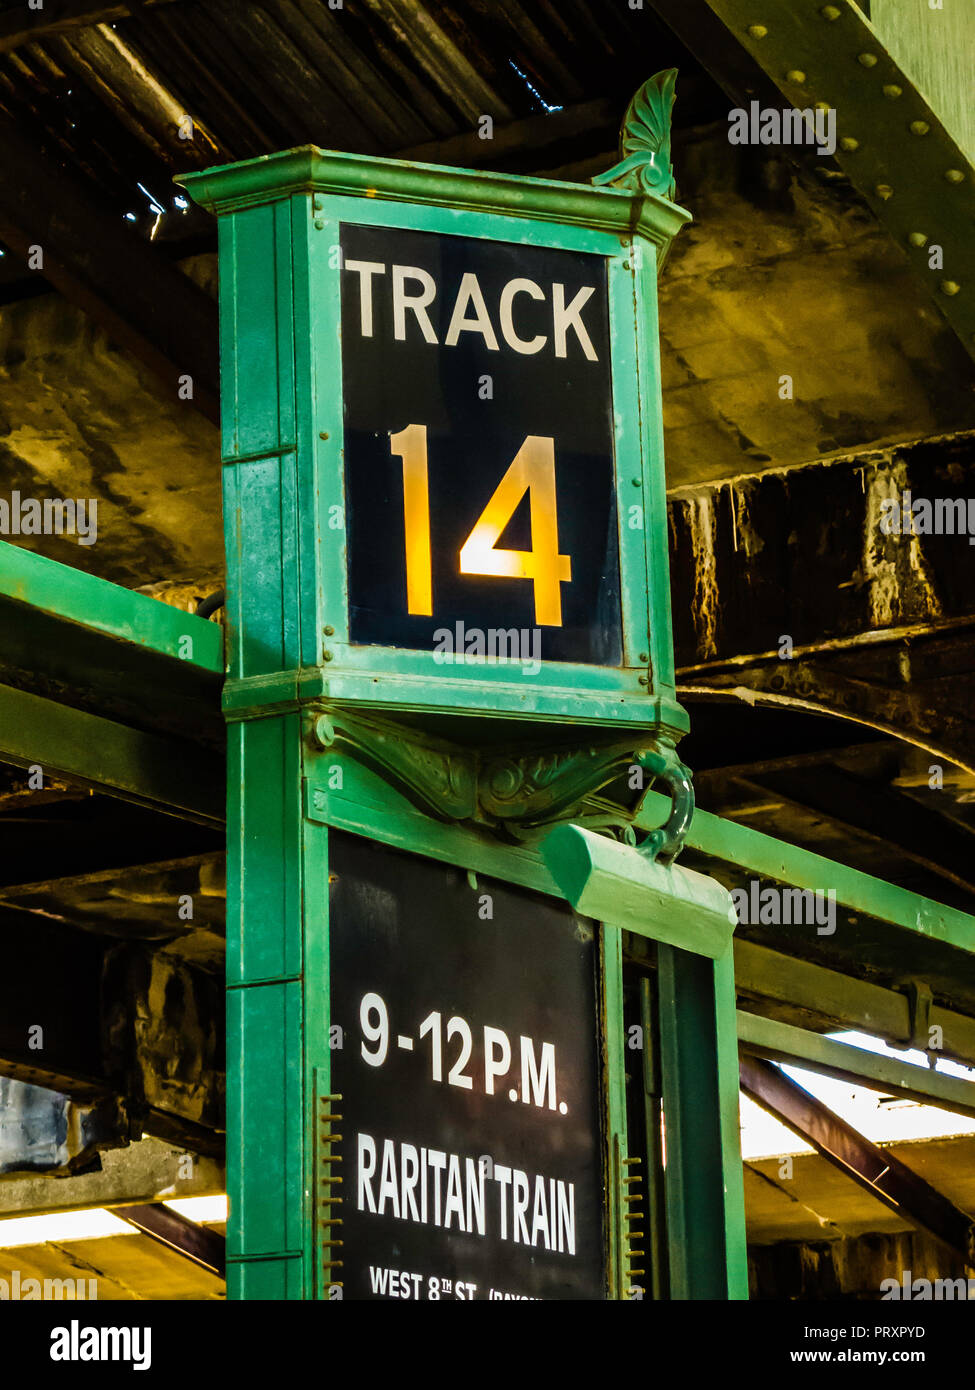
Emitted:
pixel 108 93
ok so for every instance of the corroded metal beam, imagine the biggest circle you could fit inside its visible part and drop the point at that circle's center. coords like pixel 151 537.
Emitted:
pixel 818 554
pixel 45 1131
pixel 149 1170
pixel 157 1050
pixel 188 1238
pixel 808 588
pixel 874 1169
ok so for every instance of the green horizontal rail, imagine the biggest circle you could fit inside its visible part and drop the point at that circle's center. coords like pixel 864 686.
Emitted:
pixel 760 854
pixel 152 770
pixel 75 597
pixel 767 1037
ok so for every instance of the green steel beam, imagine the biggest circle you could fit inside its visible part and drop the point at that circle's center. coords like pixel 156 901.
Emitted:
pixel 77 640
pixel 729 843
pixel 162 773
pixel 71 596
pixel 767 1037
pixel 830 999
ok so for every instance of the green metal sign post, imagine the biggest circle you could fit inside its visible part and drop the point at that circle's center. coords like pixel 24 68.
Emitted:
pixel 449 639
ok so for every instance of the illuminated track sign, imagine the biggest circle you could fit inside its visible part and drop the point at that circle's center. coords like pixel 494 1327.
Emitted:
pixel 479 468
pixel 469 1075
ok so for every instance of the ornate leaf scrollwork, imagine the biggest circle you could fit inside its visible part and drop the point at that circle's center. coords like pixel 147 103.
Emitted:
pixel 645 165
pixel 435 777
pixel 537 788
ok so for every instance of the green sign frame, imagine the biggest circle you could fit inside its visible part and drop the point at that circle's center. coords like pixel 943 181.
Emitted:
pixel 283 430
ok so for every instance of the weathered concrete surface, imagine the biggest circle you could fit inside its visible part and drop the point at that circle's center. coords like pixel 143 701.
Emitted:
pixel 783 273
pixel 148 1171
pixel 78 418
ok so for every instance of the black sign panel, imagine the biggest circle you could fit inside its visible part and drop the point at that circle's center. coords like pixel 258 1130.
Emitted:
pixel 469 1074
pixel 479 463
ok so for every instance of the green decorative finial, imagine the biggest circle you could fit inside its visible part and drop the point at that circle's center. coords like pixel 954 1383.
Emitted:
pixel 645 165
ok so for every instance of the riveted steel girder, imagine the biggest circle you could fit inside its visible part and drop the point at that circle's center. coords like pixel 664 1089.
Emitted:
pixel 891 145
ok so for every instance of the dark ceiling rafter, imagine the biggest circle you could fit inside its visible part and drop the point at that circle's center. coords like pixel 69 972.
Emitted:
pixel 142 301
pixel 20 25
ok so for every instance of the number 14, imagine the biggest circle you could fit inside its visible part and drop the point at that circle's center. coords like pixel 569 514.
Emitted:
pixel 532 470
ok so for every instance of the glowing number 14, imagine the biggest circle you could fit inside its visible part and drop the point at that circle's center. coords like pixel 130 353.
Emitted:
pixel 532 470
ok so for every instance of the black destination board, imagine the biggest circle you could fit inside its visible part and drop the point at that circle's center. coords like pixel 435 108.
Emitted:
pixel 479 465
pixel 469 1073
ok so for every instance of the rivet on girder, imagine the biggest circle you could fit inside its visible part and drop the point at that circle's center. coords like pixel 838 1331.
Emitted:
pixel 830 12
pixel 848 143
pixel 950 287
pixel 757 31
pixel 795 75
pixel 917 238
pixel 954 176
pixel 867 60
pixel 892 91
pixel 884 190
pixel 919 127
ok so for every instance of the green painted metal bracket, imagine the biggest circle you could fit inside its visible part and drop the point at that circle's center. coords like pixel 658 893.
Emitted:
pixel 782 1042
pixel 891 144
pixel 617 883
